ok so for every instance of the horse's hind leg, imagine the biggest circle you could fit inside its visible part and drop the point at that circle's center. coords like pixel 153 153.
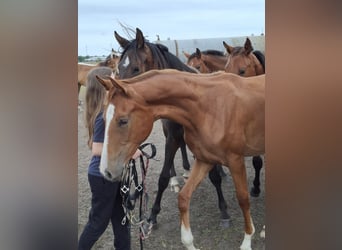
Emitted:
pixel 186 164
pixel 216 180
pixel 257 164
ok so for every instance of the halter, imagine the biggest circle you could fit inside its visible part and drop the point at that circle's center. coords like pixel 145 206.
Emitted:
pixel 131 190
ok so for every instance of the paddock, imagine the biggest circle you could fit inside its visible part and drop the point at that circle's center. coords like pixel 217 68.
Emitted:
pixel 167 234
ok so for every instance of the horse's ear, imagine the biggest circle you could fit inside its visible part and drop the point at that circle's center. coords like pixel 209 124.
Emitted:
pixel 139 37
pixel 228 47
pixel 105 82
pixel 122 41
pixel 248 46
pixel 187 55
pixel 119 85
pixel 198 53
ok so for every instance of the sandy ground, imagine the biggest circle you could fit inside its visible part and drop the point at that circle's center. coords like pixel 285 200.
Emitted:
pixel 204 212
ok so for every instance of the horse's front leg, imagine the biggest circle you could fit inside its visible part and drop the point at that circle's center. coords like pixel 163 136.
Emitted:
pixel 238 171
pixel 168 168
pixel 197 174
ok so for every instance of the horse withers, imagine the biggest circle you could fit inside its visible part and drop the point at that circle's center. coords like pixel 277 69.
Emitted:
pixel 218 130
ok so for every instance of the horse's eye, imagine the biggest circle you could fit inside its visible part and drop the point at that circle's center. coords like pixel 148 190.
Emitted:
pixel 241 72
pixel 136 70
pixel 122 122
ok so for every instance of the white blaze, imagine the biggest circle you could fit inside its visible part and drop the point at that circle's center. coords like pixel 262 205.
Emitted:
pixel 104 156
pixel 126 62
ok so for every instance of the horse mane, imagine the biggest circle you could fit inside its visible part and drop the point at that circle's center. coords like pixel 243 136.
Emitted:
pixel 207 52
pixel 161 56
pixel 261 57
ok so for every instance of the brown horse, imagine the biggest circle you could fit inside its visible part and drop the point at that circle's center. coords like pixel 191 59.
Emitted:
pixel 83 69
pixel 140 56
pixel 244 61
pixel 209 61
pixel 206 61
pixel 223 116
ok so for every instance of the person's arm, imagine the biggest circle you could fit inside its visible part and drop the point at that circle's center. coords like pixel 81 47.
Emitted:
pixel 97 148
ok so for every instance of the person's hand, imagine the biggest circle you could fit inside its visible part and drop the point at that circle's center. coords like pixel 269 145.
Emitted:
pixel 137 154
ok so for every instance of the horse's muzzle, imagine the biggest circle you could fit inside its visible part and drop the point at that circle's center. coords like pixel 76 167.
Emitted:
pixel 108 176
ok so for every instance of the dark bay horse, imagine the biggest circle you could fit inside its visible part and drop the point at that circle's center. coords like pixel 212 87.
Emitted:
pixel 140 56
pixel 218 130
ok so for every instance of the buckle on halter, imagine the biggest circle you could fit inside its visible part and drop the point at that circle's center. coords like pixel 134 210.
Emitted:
pixel 124 189
pixel 139 188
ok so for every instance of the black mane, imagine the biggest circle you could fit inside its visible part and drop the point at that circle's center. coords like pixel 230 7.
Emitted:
pixel 161 56
pixel 261 57
pixel 207 52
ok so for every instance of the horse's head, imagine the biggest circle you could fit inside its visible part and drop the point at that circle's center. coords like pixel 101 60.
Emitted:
pixel 111 61
pixel 242 61
pixel 206 61
pixel 140 56
pixel 137 56
pixel 127 125
pixel 197 61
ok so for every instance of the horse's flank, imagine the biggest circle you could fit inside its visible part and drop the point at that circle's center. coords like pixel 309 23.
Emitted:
pixel 230 105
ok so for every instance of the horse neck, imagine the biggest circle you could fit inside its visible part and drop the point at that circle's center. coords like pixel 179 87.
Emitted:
pixel 215 63
pixel 170 98
pixel 173 62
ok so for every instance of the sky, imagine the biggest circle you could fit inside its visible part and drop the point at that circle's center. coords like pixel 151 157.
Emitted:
pixel 169 19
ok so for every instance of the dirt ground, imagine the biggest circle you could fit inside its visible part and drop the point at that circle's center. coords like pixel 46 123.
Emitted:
pixel 204 212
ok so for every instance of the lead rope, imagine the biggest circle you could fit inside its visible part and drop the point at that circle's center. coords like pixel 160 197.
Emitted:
pixel 130 195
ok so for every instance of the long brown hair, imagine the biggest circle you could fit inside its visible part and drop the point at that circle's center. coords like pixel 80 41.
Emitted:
pixel 94 98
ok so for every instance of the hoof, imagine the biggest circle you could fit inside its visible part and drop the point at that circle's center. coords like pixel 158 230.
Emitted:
pixel 255 192
pixel 186 174
pixel 175 186
pixel 225 223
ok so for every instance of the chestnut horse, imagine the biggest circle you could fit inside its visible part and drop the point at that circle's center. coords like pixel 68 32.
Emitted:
pixel 140 56
pixel 223 116
pixel 83 69
pixel 209 61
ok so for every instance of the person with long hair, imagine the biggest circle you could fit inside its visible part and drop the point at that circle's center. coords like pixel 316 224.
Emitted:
pixel 106 201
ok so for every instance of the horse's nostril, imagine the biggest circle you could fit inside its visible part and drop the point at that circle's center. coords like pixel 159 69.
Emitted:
pixel 108 174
